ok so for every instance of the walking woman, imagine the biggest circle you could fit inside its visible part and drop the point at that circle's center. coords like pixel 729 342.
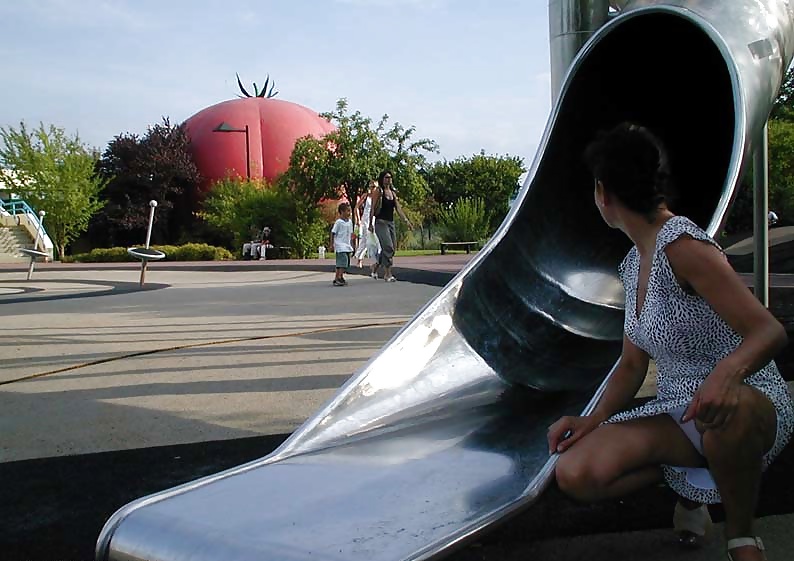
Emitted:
pixel 722 411
pixel 367 241
pixel 382 223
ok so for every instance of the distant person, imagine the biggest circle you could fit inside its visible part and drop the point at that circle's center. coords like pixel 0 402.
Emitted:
pixel 264 243
pixel 382 223
pixel 368 244
pixel 343 248
pixel 772 218
pixel 252 248
pixel 722 412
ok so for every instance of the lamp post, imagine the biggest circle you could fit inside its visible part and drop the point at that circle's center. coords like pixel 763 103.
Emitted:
pixel 226 127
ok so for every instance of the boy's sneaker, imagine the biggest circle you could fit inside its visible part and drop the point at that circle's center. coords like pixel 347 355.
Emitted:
pixel 344 282
pixel 374 275
pixel 390 279
pixel 339 283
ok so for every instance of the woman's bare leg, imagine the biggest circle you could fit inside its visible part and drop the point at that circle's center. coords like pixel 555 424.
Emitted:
pixel 734 452
pixel 619 458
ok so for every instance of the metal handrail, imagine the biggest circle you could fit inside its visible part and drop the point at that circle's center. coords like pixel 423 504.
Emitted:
pixel 19 208
pixel 16 206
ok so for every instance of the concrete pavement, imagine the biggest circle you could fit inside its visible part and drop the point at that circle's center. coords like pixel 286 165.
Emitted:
pixel 213 356
pixel 219 362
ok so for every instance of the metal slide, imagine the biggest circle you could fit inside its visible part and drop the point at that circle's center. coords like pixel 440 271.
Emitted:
pixel 443 432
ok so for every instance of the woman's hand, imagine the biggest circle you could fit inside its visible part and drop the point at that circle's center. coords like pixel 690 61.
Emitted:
pixel 716 400
pixel 568 430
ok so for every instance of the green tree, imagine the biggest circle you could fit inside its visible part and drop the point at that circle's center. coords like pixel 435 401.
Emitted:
pixel 356 152
pixel 783 107
pixel 235 208
pixel 54 173
pixel 781 168
pixel 465 221
pixel 138 169
pixel 781 181
pixel 493 179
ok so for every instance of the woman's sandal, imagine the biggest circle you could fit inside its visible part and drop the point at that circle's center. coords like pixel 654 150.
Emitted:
pixel 743 542
pixel 691 526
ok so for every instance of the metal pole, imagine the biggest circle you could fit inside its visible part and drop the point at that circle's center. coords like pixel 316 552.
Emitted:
pixel 571 23
pixel 39 228
pixel 247 155
pixel 761 218
pixel 152 206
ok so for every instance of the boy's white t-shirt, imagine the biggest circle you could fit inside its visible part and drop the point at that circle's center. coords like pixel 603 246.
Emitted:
pixel 342 231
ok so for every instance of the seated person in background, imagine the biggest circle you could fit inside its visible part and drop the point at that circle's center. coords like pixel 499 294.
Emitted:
pixel 260 241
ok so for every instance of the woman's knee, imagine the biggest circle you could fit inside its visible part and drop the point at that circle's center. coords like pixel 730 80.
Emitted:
pixel 579 477
pixel 750 430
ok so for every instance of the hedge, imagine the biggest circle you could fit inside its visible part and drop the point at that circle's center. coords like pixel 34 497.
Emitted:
pixel 187 252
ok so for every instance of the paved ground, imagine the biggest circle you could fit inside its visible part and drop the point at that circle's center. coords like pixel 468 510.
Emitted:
pixel 212 366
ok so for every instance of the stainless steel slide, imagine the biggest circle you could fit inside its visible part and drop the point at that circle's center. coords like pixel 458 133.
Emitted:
pixel 443 431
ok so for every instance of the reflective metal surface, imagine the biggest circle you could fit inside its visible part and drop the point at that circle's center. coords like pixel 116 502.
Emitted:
pixel 443 432
pixel 571 23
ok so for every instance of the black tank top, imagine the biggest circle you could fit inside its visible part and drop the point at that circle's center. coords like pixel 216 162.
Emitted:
pixel 386 209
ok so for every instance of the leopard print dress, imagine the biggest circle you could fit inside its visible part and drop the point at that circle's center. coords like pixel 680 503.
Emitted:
pixel 687 339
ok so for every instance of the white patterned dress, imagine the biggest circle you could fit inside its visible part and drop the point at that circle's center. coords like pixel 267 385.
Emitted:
pixel 687 339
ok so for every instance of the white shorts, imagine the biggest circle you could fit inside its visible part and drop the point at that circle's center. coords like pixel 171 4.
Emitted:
pixel 689 428
pixel 698 477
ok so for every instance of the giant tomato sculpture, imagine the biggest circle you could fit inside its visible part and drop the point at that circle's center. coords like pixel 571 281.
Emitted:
pixel 220 144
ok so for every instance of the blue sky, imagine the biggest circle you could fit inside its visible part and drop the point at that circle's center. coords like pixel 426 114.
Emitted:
pixel 471 74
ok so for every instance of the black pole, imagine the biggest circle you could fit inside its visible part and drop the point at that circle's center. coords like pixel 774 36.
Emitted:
pixel 247 155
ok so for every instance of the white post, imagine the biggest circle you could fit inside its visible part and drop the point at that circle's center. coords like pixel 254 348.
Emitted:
pixel 39 228
pixel 152 206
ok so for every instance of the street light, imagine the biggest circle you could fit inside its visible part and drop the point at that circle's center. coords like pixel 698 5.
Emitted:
pixel 226 127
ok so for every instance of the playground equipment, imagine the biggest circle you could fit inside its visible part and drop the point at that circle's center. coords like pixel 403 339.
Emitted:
pixel 34 252
pixel 442 433
pixel 146 254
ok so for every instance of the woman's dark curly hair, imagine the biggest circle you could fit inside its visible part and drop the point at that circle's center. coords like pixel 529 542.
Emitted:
pixel 632 164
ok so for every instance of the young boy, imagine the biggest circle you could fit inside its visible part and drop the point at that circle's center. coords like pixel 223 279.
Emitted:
pixel 342 232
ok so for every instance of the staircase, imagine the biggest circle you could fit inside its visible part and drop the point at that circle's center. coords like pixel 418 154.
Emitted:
pixel 12 239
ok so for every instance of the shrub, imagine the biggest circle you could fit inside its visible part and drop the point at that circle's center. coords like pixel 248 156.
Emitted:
pixel 187 252
pixel 104 255
pixel 240 209
pixel 466 221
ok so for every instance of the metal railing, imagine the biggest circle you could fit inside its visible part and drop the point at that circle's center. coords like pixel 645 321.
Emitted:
pixel 16 206
pixel 25 216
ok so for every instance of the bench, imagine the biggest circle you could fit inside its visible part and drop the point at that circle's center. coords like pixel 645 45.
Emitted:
pixel 279 252
pixel 462 245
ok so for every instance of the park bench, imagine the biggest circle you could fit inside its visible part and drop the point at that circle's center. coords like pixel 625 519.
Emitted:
pixel 462 245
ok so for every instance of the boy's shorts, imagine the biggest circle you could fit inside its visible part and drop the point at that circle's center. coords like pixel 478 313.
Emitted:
pixel 342 260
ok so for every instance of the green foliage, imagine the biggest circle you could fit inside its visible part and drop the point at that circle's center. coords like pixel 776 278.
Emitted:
pixel 355 153
pixel 53 173
pixel 783 107
pixel 194 252
pixel 781 168
pixel 466 221
pixel 781 181
pixel 103 255
pixel 493 179
pixel 157 166
pixel 239 209
pixel 186 252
